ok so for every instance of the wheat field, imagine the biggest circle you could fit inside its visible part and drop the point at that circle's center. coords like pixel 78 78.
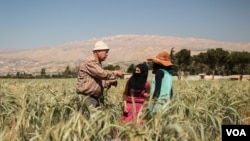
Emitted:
pixel 48 110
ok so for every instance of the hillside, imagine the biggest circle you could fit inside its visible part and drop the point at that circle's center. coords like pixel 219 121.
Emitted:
pixel 125 49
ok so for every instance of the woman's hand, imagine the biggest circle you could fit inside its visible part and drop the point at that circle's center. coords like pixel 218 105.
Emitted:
pixel 125 110
pixel 146 95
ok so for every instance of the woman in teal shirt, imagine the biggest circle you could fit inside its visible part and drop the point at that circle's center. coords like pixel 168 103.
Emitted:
pixel 161 86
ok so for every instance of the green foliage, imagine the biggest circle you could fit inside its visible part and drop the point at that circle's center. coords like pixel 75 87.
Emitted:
pixel 111 67
pixel 67 71
pixel 222 62
pixel 131 68
pixel 216 57
pixel 183 59
pixel 150 65
pixel 43 72
pixel 239 62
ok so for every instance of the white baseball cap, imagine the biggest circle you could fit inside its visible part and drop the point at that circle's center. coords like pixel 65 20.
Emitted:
pixel 100 45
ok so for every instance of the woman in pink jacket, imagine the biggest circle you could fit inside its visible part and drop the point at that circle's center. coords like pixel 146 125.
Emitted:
pixel 136 92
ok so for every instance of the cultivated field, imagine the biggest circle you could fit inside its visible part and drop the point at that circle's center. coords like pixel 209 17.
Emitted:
pixel 47 110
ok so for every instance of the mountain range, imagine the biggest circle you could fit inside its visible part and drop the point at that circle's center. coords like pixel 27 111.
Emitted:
pixel 124 50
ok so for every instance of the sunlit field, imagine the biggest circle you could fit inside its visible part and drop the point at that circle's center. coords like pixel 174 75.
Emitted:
pixel 47 110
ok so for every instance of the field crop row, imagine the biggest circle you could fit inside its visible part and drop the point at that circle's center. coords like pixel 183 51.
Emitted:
pixel 48 109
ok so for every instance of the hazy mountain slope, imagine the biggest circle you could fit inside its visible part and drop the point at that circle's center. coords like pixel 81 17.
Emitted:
pixel 124 48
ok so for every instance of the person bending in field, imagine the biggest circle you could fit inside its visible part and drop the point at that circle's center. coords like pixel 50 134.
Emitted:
pixel 136 91
pixel 92 78
pixel 161 90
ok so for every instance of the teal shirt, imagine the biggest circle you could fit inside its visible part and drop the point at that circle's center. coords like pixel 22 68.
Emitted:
pixel 166 85
pixel 165 91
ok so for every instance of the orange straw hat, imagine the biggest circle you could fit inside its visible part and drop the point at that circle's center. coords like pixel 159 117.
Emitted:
pixel 163 58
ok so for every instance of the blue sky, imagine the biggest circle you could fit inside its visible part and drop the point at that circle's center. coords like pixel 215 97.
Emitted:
pixel 40 23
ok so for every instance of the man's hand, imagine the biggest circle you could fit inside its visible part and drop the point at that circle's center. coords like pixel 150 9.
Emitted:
pixel 119 73
pixel 113 82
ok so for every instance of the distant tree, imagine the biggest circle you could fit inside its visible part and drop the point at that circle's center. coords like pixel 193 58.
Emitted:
pixel 8 75
pixel 67 71
pixel 117 67
pixel 109 67
pixel 112 67
pixel 200 63
pixel 183 59
pixel 150 65
pixel 172 51
pixel 131 68
pixel 217 59
pixel 74 70
pixel 238 62
pixel 43 72
pixel 18 74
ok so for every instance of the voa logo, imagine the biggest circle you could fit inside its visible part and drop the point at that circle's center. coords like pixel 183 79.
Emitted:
pixel 236 132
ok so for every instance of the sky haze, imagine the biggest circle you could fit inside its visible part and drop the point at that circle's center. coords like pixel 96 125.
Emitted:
pixel 42 23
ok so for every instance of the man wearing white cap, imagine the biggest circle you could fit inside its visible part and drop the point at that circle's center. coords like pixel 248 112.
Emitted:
pixel 92 78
